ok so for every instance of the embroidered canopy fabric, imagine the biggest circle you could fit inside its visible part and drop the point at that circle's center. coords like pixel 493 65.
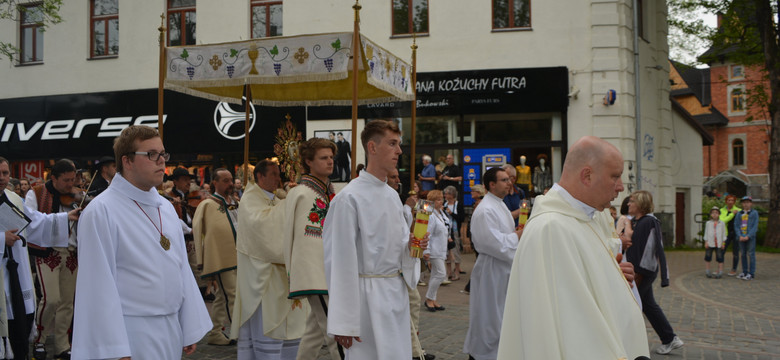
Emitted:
pixel 287 71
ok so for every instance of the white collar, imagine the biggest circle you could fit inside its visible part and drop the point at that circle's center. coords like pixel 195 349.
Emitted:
pixel 149 197
pixel 270 194
pixel 585 208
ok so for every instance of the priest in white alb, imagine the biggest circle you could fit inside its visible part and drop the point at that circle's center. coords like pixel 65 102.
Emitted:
pixel 136 296
pixel 569 297
pixel 494 235
pixel 266 323
pixel 366 243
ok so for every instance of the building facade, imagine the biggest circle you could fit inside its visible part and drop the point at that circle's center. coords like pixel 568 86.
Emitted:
pixel 511 78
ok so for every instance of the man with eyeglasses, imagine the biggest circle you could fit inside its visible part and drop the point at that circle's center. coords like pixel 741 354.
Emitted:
pixel 135 293
pixel 495 237
pixel 53 212
pixel 214 227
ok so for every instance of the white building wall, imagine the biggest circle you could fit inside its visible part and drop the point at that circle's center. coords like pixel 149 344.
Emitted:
pixel 593 39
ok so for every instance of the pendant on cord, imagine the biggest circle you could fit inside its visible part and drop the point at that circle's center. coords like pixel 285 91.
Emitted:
pixel 165 243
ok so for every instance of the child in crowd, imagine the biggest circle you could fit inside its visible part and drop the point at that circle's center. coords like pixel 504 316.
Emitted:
pixel 746 226
pixel 715 240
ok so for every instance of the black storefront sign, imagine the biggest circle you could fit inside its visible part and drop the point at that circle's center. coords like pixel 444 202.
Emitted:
pixel 471 92
pixel 85 125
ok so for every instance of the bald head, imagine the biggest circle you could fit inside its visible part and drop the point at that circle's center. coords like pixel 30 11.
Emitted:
pixel 592 172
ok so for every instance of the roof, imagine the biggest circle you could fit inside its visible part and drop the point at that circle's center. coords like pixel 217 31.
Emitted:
pixel 698 81
pixel 706 138
pixel 715 118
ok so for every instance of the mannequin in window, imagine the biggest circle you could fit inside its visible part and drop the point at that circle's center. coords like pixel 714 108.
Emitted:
pixel 524 176
pixel 542 175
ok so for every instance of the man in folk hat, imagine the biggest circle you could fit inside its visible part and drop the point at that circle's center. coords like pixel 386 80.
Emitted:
pixel 53 214
pixel 104 172
pixel 179 196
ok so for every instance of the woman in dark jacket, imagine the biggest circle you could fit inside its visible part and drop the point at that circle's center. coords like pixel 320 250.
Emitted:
pixel 647 255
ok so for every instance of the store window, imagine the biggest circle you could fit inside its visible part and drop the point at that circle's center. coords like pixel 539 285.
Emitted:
pixel 431 130
pixel 181 22
pixel 511 14
pixel 105 27
pixel 31 30
pixel 266 19
pixel 738 152
pixel 497 128
pixel 410 16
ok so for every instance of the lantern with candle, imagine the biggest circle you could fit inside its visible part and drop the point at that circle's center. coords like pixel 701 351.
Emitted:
pixel 524 209
pixel 424 210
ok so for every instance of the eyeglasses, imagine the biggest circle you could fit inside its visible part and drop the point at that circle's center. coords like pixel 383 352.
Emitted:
pixel 154 155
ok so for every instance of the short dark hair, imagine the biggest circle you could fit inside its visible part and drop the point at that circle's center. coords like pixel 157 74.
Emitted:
pixel 262 167
pixel 376 129
pixel 491 176
pixel 4 160
pixel 62 166
pixel 124 144
pixel 215 174
pixel 308 149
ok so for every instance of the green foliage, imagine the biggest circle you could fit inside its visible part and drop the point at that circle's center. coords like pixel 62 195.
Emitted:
pixel 184 54
pixel 275 50
pixel 336 44
pixel 13 10
pixel 707 202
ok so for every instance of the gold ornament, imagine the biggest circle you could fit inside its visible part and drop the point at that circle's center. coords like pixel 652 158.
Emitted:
pixel 286 149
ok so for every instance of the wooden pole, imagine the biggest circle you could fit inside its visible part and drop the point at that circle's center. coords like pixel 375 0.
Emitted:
pixel 248 111
pixel 161 82
pixel 414 112
pixel 355 64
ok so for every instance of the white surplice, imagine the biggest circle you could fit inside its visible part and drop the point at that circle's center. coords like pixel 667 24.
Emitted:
pixel 567 297
pixel 366 246
pixel 47 230
pixel 20 256
pixel 493 235
pixel 133 298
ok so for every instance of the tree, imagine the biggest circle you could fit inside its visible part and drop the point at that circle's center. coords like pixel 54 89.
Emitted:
pixel 749 34
pixel 13 10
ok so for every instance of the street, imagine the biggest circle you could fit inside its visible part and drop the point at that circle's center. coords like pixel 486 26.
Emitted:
pixel 716 318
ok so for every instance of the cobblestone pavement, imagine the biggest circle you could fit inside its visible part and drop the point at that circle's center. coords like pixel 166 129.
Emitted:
pixel 719 319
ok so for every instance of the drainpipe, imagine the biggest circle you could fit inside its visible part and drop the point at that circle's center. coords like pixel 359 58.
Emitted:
pixel 638 134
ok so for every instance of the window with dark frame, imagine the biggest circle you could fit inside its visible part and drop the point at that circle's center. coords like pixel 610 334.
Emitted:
pixel 31 30
pixel 511 14
pixel 266 18
pixel 104 16
pixel 738 152
pixel 181 22
pixel 410 17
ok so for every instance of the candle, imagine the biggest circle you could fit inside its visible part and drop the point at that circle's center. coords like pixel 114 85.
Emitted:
pixel 523 214
pixel 424 209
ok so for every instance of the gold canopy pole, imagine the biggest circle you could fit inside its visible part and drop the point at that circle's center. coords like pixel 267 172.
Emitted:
pixel 247 109
pixel 355 53
pixel 414 110
pixel 161 77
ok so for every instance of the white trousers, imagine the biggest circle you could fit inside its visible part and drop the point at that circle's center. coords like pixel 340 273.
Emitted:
pixel 253 345
pixel 438 274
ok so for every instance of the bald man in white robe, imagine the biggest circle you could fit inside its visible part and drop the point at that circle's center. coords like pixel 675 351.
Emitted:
pixel 568 296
